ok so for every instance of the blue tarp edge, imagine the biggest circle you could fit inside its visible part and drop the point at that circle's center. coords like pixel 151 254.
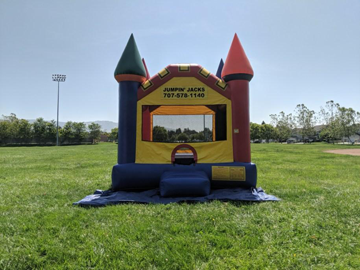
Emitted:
pixel 108 197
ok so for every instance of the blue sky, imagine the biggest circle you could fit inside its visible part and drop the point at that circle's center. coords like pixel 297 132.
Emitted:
pixel 301 51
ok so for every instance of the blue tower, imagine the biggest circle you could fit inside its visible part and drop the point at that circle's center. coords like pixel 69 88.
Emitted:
pixel 129 73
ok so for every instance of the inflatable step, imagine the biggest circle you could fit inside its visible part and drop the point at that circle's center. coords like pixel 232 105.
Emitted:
pixel 182 184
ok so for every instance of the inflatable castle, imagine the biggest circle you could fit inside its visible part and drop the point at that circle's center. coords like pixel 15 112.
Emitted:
pixel 184 168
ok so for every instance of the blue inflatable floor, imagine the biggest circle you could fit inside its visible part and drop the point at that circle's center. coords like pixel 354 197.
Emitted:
pixel 103 198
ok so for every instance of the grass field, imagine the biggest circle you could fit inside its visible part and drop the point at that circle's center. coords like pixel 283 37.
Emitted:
pixel 315 226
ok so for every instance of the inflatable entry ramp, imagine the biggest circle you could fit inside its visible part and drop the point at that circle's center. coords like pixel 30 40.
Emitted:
pixel 174 184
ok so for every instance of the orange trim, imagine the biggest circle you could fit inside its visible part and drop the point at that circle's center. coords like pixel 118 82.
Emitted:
pixel 213 128
pixel 130 77
pixel 151 127
pixel 182 110
pixel 184 151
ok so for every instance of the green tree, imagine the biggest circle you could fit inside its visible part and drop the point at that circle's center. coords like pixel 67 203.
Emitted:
pixel 193 137
pixel 79 129
pixel 339 122
pixel 284 125
pixel 255 131
pixel 348 120
pixel 267 132
pixel 39 129
pixel 276 134
pixel 159 134
pixel 208 135
pixel 50 131
pixel 182 137
pixel 11 118
pixel 113 134
pixel 200 136
pixel 171 135
pixel 189 132
pixel 13 127
pixel 172 138
pixel 24 131
pixel 305 119
pixel 94 131
pixel 330 117
pixel 325 135
pixel 4 131
pixel 67 133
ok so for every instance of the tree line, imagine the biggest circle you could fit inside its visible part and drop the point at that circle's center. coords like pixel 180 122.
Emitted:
pixel 334 123
pixel 15 131
pixel 160 134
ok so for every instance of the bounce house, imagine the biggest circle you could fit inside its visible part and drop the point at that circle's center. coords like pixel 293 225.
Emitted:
pixel 178 168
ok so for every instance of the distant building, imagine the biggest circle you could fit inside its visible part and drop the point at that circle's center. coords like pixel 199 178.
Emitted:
pixel 297 137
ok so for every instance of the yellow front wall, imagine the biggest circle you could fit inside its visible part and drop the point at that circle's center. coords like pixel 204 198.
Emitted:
pixel 208 152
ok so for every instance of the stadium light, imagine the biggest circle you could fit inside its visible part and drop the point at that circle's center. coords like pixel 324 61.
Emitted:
pixel 58 78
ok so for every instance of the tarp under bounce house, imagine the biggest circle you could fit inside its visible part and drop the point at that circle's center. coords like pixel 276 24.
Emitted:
pixel 157 171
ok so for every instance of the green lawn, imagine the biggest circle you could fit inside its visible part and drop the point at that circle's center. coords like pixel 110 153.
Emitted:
pixel 316 225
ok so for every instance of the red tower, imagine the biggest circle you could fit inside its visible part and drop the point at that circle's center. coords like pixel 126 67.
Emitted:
pixel 237 72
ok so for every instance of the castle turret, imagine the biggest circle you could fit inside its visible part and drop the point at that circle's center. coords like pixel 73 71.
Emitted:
pixel 130 73
pixel 237 73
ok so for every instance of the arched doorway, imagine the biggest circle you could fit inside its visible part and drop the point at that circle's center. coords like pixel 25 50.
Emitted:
pixel 184 154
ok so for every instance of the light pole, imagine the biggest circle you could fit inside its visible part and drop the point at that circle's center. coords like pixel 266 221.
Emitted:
pixel 58 78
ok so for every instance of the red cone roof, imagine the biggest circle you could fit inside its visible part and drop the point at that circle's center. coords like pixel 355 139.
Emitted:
pixel 236 60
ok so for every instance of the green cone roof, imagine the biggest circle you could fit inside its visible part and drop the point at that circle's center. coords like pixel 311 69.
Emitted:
pixel 130 61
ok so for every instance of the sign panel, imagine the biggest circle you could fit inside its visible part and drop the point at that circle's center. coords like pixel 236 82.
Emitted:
pixel 189 92
pixel 228 173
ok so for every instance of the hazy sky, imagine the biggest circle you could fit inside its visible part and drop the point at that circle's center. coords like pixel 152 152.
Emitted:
pixel 301 51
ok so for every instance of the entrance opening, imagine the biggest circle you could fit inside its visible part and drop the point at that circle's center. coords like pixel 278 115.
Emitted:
pixel 184 123
pixel 184 154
